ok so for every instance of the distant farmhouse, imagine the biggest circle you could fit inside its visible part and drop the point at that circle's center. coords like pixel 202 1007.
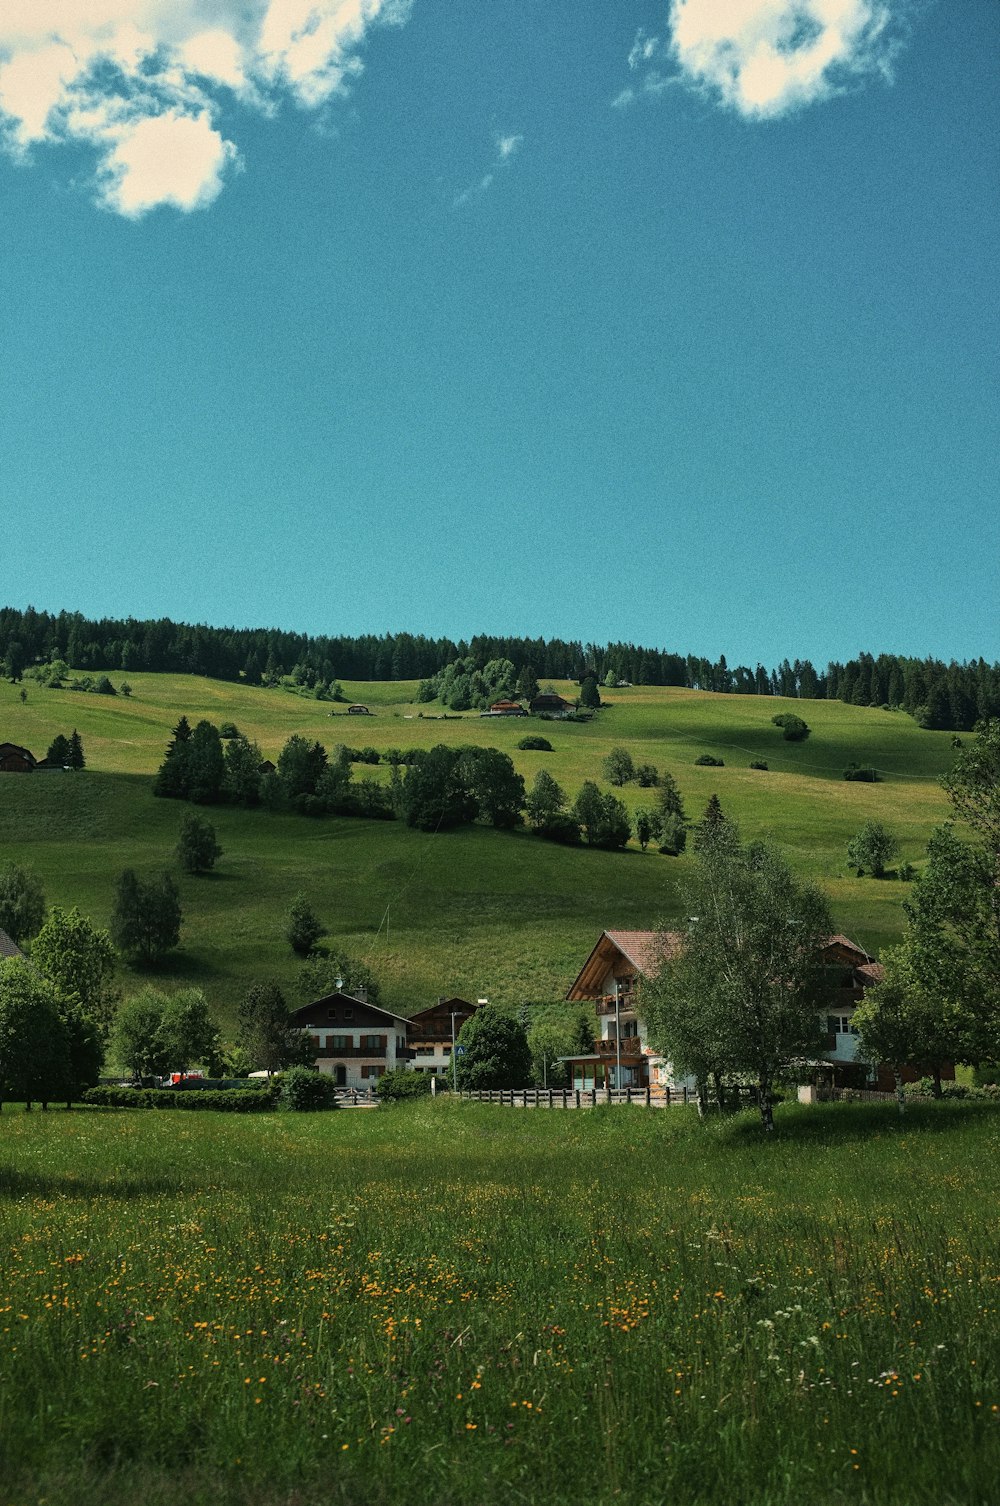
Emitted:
pixel 551 704
pixel 505 708
pixel 16 760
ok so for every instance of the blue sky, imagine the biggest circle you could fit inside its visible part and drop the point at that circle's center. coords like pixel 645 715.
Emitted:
pixel 673 322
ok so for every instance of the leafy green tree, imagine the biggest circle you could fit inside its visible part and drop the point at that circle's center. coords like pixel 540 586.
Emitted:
pixel 494 785
pixel 241 782
pixel 300 765
pixel 647 776
pixel 952 936
pixel 603 818
pixel 146 916
pixel 618 767
pixel 872 850
pixel 900 1023
pixel 189 1033
pixel 548 1042
pixel 673 835
pixel 78 958
pixel 648 827
pixel 545 802
pixel 265 1030
pixel 495 1052
pixel 435 795
pixel 206 765
pixel 197 848
pixel 742 995
pixel 304 927
pixel 138 1043
pixel 22 902
pixel 85 1052
pixel 34 1050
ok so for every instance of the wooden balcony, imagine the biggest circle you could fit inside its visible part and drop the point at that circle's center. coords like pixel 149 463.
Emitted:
pixel 631 1048
pixel 626 1003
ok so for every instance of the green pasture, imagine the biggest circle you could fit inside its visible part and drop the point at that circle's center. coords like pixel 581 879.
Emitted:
pixel 454 1305
pixel 478 913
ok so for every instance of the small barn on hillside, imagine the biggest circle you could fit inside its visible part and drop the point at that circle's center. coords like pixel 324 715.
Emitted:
pixel 16 760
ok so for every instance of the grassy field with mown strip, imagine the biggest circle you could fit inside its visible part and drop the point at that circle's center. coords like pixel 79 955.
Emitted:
pixel 453 1305
pixel 473 912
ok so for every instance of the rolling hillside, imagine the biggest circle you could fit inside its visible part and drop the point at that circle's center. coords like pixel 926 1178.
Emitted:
pixel 473 912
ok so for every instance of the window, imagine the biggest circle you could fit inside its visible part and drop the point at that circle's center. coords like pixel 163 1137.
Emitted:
pixel 401 1043
pixel 840 1024
pixel 425 1050
pixel 371 1042
pixel 331 1014
pixel 338 1042
pixel 348 1014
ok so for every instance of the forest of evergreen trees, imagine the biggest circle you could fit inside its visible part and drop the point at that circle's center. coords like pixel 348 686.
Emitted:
pixel 945 696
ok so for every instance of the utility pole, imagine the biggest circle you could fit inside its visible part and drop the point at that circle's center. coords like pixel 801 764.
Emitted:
pixel 454 1058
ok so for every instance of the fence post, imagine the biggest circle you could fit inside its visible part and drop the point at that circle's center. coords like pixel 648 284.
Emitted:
pixel 593 1098
pixel 647 1095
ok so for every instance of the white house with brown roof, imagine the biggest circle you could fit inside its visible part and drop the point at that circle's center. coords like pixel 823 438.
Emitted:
pixel 611 974
pixel 622 1055
pixel 356 1042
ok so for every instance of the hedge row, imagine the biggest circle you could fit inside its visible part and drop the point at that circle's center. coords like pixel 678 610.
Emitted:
pixel 224 1100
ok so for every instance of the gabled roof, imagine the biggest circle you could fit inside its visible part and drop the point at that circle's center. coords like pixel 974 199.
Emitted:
pixel 328 1000
pixel 645 950
pixel 844 943
pixel 642 950
pixel 443 1007
pixel 9 948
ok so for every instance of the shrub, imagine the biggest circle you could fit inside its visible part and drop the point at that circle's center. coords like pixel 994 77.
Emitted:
pixel 647 776
pixel 793 728
pixel 861 773
pixel 227 731
pixel 535 745
pixel 242 1100
pixel 399 1084
pixel 303 1090
pixel 709 761
pixel 304 927
pixel 759 763
pixel 907 872
pixel 104 686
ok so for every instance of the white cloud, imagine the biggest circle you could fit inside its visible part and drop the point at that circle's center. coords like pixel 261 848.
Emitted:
pixel 141 81
pixel 765 58
pixel 505 147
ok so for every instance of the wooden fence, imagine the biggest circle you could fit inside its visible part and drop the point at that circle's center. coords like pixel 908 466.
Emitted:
pixel 582 1098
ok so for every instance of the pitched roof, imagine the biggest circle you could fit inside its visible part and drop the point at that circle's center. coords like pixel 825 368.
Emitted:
pixel 9 948
pixel 643 950
pixel 848 946
pixel 329 999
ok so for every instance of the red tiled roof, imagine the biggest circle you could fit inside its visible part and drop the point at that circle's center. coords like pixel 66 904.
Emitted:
pixel 644 950
pixel 848 945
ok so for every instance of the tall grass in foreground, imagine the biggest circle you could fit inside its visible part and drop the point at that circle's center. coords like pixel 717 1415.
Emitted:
pixel 455 1304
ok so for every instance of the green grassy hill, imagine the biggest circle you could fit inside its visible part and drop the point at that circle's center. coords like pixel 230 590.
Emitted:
pixel 474 912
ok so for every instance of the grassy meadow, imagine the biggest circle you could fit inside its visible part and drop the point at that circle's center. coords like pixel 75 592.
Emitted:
pixel 447 1303
pixel 475 912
